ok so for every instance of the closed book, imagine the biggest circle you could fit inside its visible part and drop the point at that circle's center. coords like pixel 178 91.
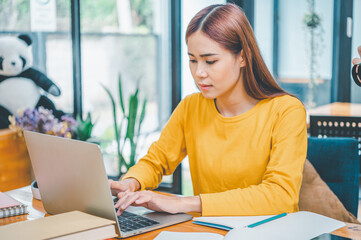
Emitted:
pixel 71 225
pixel 10 207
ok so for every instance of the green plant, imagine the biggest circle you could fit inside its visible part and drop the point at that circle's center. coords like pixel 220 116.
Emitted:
pixel 134 122
pixel 314 35
pixel 84 127
pixel 311 20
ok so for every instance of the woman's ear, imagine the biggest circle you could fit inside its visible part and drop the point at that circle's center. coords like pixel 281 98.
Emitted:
pixel 241 59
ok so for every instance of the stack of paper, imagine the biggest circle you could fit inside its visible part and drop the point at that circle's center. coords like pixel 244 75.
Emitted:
pixel 165 235
pixel 295 226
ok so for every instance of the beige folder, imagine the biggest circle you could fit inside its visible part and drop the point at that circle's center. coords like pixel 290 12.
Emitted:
pixel 70 225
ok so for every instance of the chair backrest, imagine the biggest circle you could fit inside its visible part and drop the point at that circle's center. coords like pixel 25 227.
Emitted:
pixel 336 126
pixel 337 162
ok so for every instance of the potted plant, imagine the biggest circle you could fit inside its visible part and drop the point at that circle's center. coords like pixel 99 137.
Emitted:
pixel 43 121
pixel 129 134
pixel 84 128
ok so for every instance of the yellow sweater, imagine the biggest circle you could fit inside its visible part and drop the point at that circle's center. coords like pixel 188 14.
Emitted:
pixel 250 164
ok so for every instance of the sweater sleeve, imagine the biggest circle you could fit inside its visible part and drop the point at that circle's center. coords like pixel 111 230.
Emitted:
pixel 163 155
pixel 279 190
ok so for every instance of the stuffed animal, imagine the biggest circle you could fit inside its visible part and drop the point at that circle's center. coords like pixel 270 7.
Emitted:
pixel 20 84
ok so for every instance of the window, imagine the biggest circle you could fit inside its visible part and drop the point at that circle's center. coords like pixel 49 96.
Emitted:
pixel 127 37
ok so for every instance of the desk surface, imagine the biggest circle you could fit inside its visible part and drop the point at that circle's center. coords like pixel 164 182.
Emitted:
pixel 36 210
pixel 337 109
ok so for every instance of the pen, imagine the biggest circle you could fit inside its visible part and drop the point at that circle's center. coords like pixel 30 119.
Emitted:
pixel 266 220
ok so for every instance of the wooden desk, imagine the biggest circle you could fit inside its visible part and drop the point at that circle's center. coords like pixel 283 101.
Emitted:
pixel 336 109
pixel 36 210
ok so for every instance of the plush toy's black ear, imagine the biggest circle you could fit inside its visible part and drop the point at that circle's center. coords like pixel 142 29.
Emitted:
pixel 26 38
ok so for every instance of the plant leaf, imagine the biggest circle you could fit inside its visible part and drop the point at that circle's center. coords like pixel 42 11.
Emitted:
pixel 133 148
pixel 141 118
pixel 89 117
pixel 142 114
pixel 121 94
pixel 84 127
pixel 133 109
pixel 116 131
pixel 122 162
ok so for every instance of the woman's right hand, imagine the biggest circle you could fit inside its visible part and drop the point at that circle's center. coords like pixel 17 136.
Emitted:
pixel 357 60
pixel 126 185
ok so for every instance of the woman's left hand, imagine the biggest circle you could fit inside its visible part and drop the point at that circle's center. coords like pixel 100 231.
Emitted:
pixel 157 202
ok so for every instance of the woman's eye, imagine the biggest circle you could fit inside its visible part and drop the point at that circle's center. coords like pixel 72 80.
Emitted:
pixel 192 61
pixel 210 62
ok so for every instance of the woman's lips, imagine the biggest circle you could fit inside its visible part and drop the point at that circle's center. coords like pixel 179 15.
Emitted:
pixel 204 86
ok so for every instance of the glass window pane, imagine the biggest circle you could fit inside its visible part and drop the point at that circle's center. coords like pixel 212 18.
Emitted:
pixel 297 62
pixel 59 66
pixel 131 39
pixel 263 29
pixel 15 16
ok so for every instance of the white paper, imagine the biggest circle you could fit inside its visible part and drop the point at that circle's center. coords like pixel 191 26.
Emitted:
pixel 295 226
pixel 165 235
pixel 43 15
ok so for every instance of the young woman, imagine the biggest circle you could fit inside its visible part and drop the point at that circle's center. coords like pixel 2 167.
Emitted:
pixel 245 137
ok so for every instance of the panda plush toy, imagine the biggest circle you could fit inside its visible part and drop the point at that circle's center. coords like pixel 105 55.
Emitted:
pixel 21 86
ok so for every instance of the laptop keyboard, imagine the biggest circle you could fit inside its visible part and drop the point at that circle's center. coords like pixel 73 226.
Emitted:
pixel 130 222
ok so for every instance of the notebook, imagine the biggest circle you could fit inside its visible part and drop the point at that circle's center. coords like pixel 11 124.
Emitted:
pixel 297 226
pixel 71 225
pixel 10 207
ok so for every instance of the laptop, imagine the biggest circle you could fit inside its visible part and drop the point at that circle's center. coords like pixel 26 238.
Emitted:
pixel 71 176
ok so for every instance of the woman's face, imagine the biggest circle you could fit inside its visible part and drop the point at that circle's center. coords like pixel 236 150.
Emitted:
pixel 215 70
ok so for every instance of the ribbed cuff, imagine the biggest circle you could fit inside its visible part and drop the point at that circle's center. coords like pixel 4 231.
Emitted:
pixel 209 204
pixel 137 177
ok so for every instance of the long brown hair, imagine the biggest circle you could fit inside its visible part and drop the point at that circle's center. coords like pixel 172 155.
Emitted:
pixel 228 26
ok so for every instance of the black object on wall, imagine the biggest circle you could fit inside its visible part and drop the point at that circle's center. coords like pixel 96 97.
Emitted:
pixel 356 74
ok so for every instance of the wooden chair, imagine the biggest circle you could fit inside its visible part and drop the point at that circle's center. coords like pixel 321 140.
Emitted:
pixel 15 166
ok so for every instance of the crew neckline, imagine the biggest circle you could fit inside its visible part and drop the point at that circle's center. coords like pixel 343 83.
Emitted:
pixel 238 117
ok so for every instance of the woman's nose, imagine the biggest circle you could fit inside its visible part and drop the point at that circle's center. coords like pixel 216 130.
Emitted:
pixel 201 72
